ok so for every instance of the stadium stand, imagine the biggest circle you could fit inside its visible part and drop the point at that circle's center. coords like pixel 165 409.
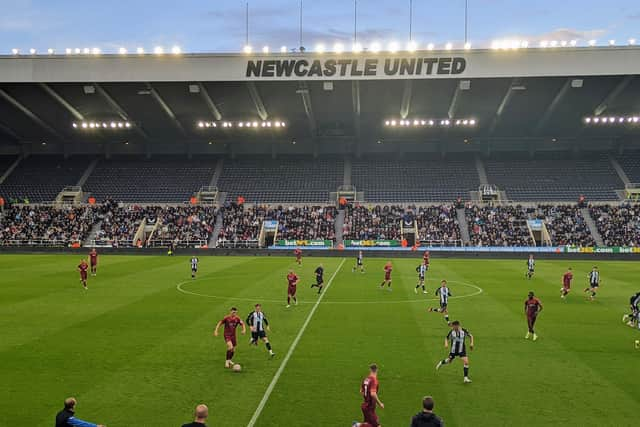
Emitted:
pixel 565 224
pixel 554 177
pixel 630 162
pixel 120 224
pixel 375 223
pixel 618 225
pixel 498 226
pixel 45 226
pixel 240 224
pixel 283 180
pixel 438 224
pixel 41 178
pixel 305 223
pixel 185 225
pixel 414 180
pixel 160 180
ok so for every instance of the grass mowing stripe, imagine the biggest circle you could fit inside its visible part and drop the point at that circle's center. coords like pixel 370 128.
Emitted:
pixel 283 365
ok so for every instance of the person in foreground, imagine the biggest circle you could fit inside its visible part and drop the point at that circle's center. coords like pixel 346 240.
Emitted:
pixel 427 418
pixel 67 417
pixel 201 415
pixel 369 390
pixel 532 307
pixel 457 336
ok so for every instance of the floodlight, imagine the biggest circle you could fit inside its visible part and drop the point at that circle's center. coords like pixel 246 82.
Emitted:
pixel 632 42
pixel 393 47
pixel 338 48
pixel 95 51
pixel 412 46
pixel 158 50
pixel 612 42
pixel 448 46
pixel 50 51
pixel 592 42
pixel 86 51
pixel 467 46
pixel 140 50
pixel 32 51
pixel 283 49
pixel 15 51
pixel 122 51
pixel 265 49
pixel 375 47
pixel 68 51
pixel 176 50
pixel 320 48
pixel 356 48
pixel 573 43
pixel 430 46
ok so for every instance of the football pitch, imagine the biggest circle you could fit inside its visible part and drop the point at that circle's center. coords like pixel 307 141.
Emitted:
pixel 137 348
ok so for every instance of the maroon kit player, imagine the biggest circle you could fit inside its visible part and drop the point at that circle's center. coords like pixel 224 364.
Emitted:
pixel 93 259
pixel 82 268
pixel 532 307
pixel 369 390
pixel 292 280
pixel 231 323
pixel 298 253
pixel 567 277
pixel 388 268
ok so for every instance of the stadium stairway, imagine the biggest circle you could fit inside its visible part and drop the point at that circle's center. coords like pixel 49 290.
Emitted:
pixel 464 227
pixel 217 173
pixel 338 224
pixel 217 227
pixel 593 229
pixel 87 173
pixel 92 234
pixel 619 170
pixel 482 173
pixel 346 180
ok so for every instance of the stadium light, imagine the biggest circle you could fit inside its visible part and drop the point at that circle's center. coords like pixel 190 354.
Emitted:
pixel 283 49
pixel 122 51
pixel 356 48
pixel 338 48
pixel 612 42
pixel 592 42
pixel 418 122
pixel 632 42
pixel 544 43
pixel 613 120
pixel 573 43
pixel 32 51
pixel 95 51
pixel 140 51
pixel 448 46
pixel 241 124
pixel 375 47
pixel 320 48
pixel 176 50
pixel 393 47
pixel 412 46
pixel 563 43
pixel 524 44
pixel 553 43
pixel 86 51
pixel 77 51
pixel 467 46
pixel 50 51
pixel 15 51
pixel 430 46
pixel 158 50
pixel 265 49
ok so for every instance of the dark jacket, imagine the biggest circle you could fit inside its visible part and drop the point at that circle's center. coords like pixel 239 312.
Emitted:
pixel 424 419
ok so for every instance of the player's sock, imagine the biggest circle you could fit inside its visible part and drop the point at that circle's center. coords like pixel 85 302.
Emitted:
pixel 445 361
pixel 229 355
pixel 593 294
pixel 466 370
pixel 268 346
pixel 320 288
pixel 446 318
pixel 288 300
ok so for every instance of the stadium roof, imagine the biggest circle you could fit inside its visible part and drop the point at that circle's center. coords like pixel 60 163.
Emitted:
pixel 519 95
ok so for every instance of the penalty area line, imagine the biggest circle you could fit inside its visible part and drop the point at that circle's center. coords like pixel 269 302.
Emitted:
pixel 283 365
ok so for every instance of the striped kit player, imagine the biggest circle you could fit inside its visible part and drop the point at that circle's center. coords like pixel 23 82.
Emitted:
pixel 422 271
pixel 455 339
pixel 594 282
pixel 194 267
pixel 633 319
pixel 531 266
pixel 444 293
pixel 359 263
pixel 259 326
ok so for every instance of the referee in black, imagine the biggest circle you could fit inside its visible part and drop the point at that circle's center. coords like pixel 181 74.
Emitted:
pixel 259 325
pixel 427 418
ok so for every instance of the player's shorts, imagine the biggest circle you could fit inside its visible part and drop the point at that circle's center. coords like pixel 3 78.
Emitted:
pixel 594 286
pixel 462 353
pixel 94 263
pixel 426 267
pixel 387 276
pixel 421 277
pixel 531 269
pixel 83 275
pixel 292 290
pixel 443 305
pixel 359 261
pixel 370 416
pixel 258 335
pixel 567 287
pixel 194 269
pixel 319 280
pixel 231 338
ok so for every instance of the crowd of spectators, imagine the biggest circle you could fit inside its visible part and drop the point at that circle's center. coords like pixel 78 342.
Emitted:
pixel 618 225
pixel 305 223
pixel 119 224
pixel 241 223
pixel 43 225
pixel 374 223
pixel 565 224
pixel 438 224
pixel 185 225
pixel 498 226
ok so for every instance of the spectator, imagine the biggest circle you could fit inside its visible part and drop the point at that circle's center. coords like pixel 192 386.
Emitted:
pixel 67 417
pixel 427 418
pixel 201 415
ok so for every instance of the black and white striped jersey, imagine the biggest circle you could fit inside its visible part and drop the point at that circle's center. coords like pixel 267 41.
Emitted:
pixel 457 340
pixel 421 270
pixel 531 264
pixel 444 294
pixel 194 263
pixel 258 320
pixel 635 300
pixel 594 278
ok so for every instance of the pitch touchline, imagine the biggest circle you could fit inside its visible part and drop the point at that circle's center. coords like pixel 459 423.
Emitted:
pixel 478 291
pixel 276 377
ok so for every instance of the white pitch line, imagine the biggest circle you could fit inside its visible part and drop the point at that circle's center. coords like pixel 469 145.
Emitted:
pixel 283 365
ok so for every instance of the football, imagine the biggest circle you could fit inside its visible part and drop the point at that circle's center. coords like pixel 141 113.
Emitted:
pixel 237 368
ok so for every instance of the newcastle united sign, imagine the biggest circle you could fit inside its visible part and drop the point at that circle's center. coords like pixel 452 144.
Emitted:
pixel 356 67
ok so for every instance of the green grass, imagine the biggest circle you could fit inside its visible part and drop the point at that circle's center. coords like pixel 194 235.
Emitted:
pixel 136 351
